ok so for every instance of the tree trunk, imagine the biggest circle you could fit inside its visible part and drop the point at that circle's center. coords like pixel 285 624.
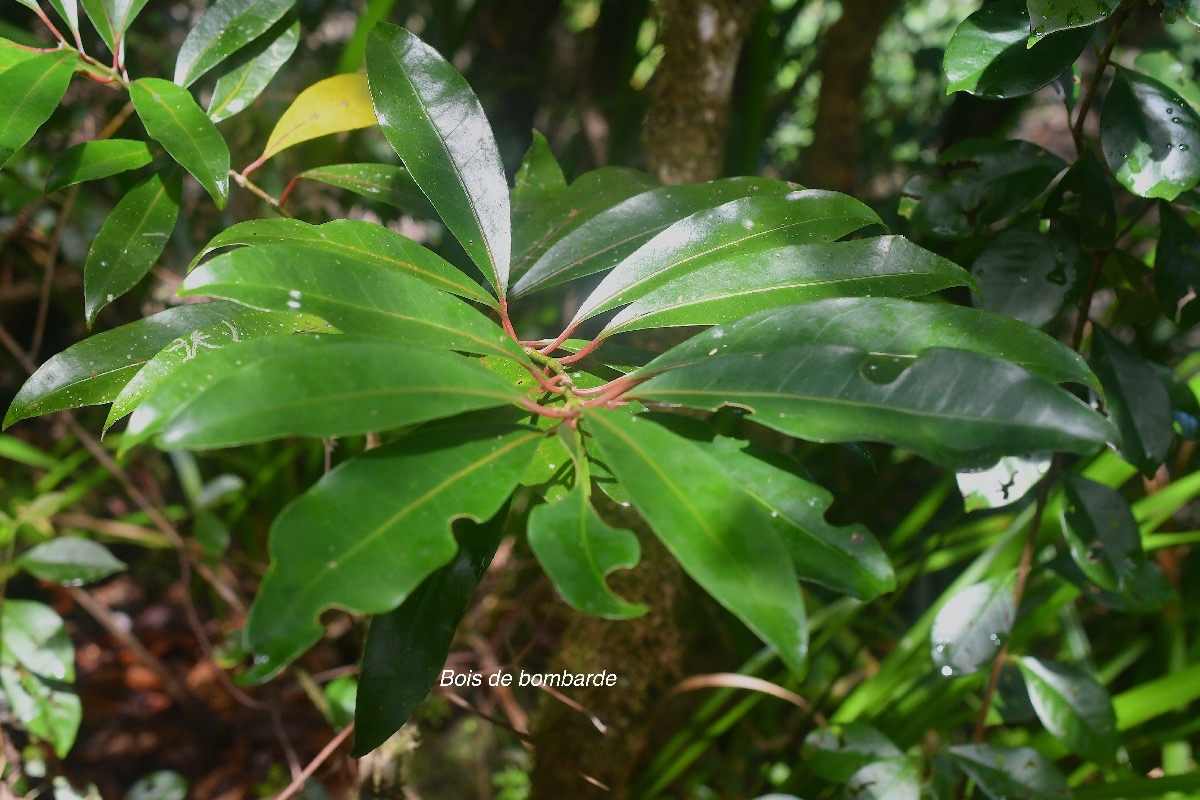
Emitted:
pixel 688 117
pixel 831 161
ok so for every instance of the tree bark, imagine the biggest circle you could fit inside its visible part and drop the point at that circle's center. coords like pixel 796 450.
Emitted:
pixel 688 118
pixel 832 160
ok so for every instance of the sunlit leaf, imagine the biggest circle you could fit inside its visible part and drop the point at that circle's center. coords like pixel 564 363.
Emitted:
pixel 340 103
pixel 1048 16
pixel 718 533
pixel 70 559
pixel 435 123
pixel 172 117
pixel 890 779
pixel 225 27
pixel 130 240
pixel 367 535
pixel 30 91
pixel 97 159
pixel 1004 484
pixel 46 711
pixel 34 638
pixel 1073 706
pixel 969 629
pixel 112 18
pixel 240 86
pixel 1150 136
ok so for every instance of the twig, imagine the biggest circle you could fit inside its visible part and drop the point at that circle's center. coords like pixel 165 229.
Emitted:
pixel 241 180
pixel 298 784
pixel 1089 94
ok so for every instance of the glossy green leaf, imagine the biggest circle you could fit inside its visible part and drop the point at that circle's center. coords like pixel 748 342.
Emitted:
pixel 734 230
pixel 68 11
pixel 112 18
pixel 1146 593
pixel 130 240
pixel 172 117
pixel 716 531
pixel 889 779
pixel 435 123
pixel 71 560
pixel 1003 772
pixel 883 325
pixel 1136 400
pixel 986 180
pixel 95 370
pixel 591 195
pixel 30 91
pixel 356 296
pixel 538 179
pixel 375 527
pixel 1084 193
pixel 1073 706
pixel 226 27
pixel 242 324
pixel 324 386
pixel 1164 64
pixel 241 86
pixel 836 752
pixel 988 54
pixel 1177 268
pixel 1004 484
pixel 970 627
pixel 333 105
pixel 609 237
pixel 47 712
pixel 358 241
pixel 406 649
pixel 97 159
pixel 741 284
pixel 578 550
pixel 1026 274
pixel 1048 16
pixel 12 54
pixel 386 183
pixel 35 639
pixel 930 405
pixel 1150 136
pixel 1102 534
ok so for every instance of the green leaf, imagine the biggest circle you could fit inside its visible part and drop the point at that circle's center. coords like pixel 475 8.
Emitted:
pixel 578 550
pixel 68 10
pixel 1026 274
pixel 736 229
pixel 241 86
pixel 386 183
pixel 12 53
pixel 1136 399
pixel 112 18
pixel 591 195
pixel 716 531
pixel 1003 772
pixel 95 370
pixel 359 241
pixel 1084 193
pixel 836 752
pixel 435 123
pixel 1158 697
pixel 322 386
pixel 1150 136
pixel 358 296
pixel 1004 484
pixel 930 405
pixel 406 648
pixel 1073 707
pixel 375 527
pixel 70 560
pixel 988 54
pixel 23 452
pixel 538 180
pixel 340 103
pixel 1048 16
pixel 47 712
pixel 610 236
pixel 1164 64
pixel 986 181
pixel 969 629
pixel 172 117
pixel 1102 534
pixel 890 779
pixel 882 325
pixel 35 639
pixel 242 324
pixel 226 27
pixel 98 159
pixel 741 284
pixel 1177 268
pixel 1147 593
pixel 163 784
pixel 130 240
pixel 29 92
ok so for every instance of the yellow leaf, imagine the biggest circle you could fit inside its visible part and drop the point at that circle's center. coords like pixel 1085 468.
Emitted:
pixel 340 103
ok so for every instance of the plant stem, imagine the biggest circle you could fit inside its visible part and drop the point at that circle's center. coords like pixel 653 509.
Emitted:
pixel 1089 94
pixel 241 180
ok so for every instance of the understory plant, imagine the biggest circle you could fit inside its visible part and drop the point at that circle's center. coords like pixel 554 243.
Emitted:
pixel 816 323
